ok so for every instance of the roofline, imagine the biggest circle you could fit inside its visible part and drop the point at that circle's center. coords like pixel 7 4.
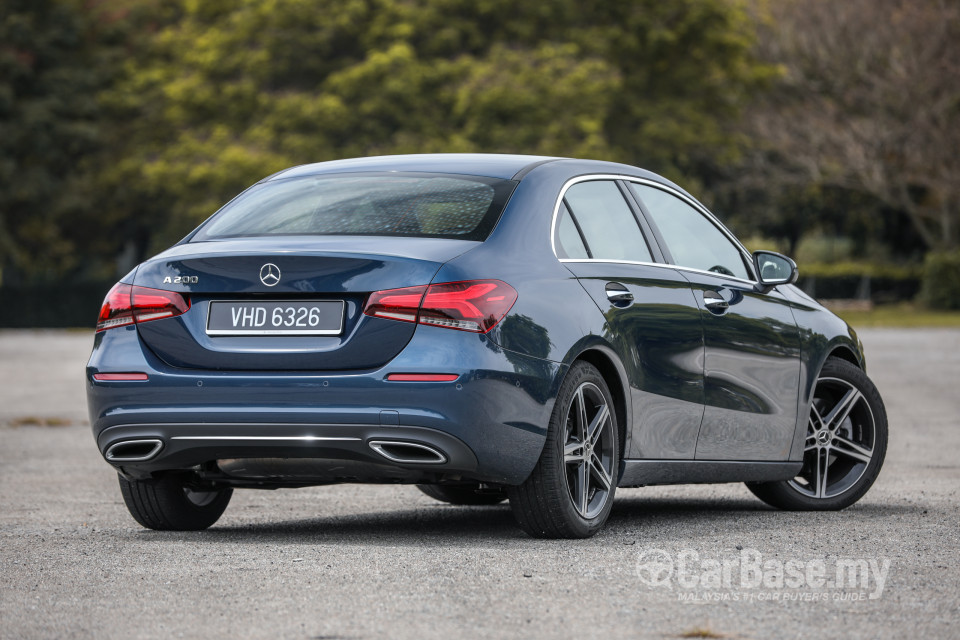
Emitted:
pixel 458 163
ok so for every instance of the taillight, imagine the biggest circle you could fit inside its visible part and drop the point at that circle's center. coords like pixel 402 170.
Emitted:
pixel 396 304
pixel 127 304
pixel 116 311
pixel 472 305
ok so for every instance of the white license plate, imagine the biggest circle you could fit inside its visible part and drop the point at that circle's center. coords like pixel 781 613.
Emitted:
pixel 275 317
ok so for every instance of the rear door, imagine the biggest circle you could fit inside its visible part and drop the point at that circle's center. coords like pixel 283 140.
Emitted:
pixel 653 320
pixel 752 344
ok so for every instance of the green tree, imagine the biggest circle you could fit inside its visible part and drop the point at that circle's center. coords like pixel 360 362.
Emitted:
pixel 51 68
pixel 223 93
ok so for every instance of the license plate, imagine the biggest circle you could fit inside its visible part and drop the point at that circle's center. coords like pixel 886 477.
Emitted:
pixel 275 317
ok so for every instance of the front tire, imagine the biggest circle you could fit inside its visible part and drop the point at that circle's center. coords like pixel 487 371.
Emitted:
pixel 845 445
pixel 168 504
pixel 570 492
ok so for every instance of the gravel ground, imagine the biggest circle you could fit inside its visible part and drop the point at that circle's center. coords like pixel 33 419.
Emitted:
pixel 370 561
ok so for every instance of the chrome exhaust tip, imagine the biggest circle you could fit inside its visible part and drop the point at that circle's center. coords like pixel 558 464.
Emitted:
pixel 407 452
pixel 133 450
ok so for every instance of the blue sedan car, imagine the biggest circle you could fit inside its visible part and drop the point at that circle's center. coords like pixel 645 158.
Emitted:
pixel 487 327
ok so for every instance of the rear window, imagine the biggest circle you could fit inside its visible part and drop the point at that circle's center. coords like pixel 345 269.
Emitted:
pixel 388 204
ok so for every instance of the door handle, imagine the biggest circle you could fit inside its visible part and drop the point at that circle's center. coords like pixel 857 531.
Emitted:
pixel 616 292
pixel 714 301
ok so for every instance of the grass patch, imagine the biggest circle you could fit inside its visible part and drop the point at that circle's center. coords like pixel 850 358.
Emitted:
pixel 899 315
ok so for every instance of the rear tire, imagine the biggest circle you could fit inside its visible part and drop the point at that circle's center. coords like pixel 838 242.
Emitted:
pixel 167 504
pixel 845 445
pixel 570 492
pixel 463 494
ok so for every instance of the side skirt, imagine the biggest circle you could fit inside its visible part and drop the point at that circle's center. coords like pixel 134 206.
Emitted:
pixel 638 473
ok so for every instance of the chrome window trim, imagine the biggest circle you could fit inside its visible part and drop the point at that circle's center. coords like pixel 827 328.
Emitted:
pixel 651 183
pixel 663 265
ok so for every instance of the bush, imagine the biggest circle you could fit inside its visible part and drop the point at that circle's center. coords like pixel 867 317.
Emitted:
pixel 941 280
pixel 48 306
pixel 881 283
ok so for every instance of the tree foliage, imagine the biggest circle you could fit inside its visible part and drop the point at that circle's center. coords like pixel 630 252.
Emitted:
pixel 223 93
pixel 53 63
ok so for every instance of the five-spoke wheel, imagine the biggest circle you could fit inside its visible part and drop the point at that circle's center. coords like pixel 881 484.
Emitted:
pixel 588 450
pixel 570 492
pixel 844 447
pixel 841 432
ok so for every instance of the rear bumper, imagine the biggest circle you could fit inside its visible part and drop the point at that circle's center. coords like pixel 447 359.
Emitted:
pixel 377 453
pixel 488 425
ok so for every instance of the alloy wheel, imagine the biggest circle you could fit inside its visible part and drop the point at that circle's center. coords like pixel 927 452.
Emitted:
pixel 588 450
pixel 841 434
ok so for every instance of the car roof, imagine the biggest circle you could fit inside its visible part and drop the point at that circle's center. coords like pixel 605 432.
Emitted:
pixel 491 165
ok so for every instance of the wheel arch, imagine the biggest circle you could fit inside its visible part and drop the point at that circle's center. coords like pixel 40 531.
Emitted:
pixel 844 347
pixel 844 352
pixel 614 374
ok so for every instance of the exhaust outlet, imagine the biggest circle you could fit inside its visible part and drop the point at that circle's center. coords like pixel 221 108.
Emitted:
pixel 133 450
pixel 407 452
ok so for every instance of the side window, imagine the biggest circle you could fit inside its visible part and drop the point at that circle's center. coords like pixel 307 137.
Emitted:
pixel 693 240
pixel 569 242
pixel 607 223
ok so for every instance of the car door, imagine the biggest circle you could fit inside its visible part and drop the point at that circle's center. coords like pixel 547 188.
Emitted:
pixel 751 341
pixel 652 317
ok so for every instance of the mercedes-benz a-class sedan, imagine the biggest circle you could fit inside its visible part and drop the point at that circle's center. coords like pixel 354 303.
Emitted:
pixel 487 327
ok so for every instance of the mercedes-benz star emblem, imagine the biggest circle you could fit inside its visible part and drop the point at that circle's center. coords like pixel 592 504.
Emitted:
pixel 269 274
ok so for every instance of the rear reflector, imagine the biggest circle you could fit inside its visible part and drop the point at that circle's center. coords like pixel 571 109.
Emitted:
pixel 471 305
pixel 112 377
pixel 128 304
pixel 422 377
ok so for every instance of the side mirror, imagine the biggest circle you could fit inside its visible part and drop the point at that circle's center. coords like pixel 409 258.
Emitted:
pixel 773 269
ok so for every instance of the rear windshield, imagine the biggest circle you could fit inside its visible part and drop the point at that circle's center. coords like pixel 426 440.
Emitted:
pixel 369 204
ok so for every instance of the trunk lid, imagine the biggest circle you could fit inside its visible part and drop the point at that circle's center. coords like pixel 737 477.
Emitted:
pixel 310 269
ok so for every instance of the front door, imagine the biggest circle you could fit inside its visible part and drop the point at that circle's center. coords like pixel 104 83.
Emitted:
pixel 751 342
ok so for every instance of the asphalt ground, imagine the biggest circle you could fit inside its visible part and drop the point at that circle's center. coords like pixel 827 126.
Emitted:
pixel 388 562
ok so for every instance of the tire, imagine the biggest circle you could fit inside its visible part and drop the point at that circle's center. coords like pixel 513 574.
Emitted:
pixel 167 504
pixel 845 445
pixel 463 494
pixel 570 492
